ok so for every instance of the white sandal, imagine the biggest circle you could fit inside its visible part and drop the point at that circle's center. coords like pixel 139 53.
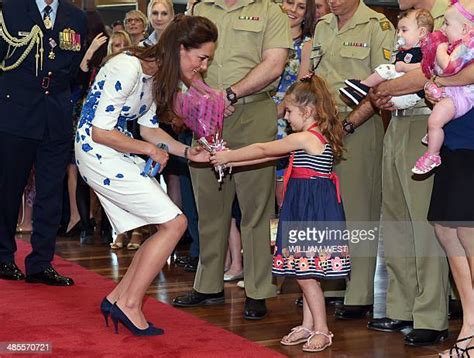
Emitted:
pixel 293 331
pixel 307 347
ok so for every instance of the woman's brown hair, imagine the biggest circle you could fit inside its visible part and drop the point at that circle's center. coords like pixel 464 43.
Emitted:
pixel 189 31
pixel 313 91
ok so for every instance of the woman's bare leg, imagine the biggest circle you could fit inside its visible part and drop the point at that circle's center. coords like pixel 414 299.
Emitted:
pixel 146 264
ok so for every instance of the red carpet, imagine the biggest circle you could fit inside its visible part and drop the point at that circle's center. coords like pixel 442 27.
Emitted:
pixel 69 318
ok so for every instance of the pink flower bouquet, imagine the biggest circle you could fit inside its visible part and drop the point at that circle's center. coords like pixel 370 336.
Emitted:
pixel 202 110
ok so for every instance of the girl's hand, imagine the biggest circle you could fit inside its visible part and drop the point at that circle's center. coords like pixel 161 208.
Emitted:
pixel 220 158
pixel 98 41
pixel 198 154
pixel 160 156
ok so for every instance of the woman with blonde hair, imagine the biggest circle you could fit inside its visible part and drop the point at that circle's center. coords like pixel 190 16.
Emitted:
pixel 160 13
pixel 117 41
pixel 136 24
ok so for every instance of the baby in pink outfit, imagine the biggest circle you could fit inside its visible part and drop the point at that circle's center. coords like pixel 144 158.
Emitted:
pixel 451 57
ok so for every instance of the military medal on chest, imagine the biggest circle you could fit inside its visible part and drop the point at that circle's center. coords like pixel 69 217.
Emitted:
pixel 52 45
pixel 48 23
pixel 69 40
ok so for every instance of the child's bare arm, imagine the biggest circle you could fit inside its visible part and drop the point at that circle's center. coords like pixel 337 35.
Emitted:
pixel 270 150
pixel 462 78
pixel 253 162
pixel 401 66
pixel 442 57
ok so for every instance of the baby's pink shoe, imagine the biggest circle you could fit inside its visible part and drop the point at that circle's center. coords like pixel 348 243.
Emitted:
pixel 426 163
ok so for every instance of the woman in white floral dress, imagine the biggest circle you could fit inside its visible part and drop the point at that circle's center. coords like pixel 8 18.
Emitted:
pixel 140 84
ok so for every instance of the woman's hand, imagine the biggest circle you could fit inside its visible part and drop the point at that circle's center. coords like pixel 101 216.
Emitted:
pixel 433 93
pixel 98 41
pixel 220 158
pixel 160 156
pixel 198 154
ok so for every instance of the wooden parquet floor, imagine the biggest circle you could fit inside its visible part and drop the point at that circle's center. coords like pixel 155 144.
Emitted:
pixel 352 338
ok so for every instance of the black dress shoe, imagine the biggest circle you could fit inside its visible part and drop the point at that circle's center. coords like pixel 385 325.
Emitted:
pixel 388 325
pixel 182 261
pixel 337 301
pixel 192 264
pixel 425 337
pixel 10 271
pixel 352 312
pixel 195 298
pixel 49 277
pixel 255 309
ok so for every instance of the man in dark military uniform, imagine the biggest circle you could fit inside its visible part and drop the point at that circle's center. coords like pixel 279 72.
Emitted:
pixel 36 125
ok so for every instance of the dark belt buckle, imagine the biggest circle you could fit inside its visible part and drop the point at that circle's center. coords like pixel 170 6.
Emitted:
pixel 45 82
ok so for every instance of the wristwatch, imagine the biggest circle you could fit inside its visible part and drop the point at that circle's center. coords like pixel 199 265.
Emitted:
pixel 348 126
pixel 231 95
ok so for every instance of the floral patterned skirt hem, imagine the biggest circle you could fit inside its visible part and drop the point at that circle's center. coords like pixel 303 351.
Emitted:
pixel 324 266
pixel 311 275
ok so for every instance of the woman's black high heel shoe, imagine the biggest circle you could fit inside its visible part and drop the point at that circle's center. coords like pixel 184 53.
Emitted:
pixel 105 307
pixel 456 351
pixel 74 231
pixel 117 315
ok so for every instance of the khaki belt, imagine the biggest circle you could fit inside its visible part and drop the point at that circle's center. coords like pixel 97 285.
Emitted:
pixel 253 98
pixel 418 111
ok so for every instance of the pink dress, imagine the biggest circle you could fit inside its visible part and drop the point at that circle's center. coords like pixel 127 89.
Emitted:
pixel 461 54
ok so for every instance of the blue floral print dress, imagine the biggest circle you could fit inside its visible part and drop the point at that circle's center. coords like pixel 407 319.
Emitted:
pixel 121 92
